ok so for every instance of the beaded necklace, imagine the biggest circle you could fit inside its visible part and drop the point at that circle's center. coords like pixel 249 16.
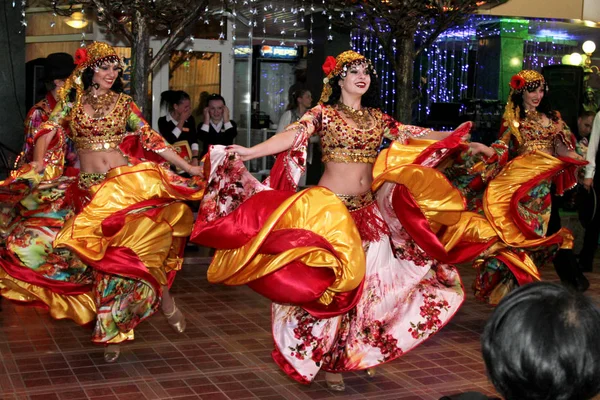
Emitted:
pixel 536 116
pixel 360 117
pixel 101 104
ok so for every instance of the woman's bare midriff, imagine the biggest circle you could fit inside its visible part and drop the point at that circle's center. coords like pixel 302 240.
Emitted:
pixel 347 178
pixel 100 162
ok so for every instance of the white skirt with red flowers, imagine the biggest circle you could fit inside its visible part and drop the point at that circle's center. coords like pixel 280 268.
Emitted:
pixel 350 286
pixel 406 298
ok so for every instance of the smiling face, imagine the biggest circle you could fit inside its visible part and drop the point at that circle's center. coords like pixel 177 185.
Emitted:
pixel 215 110
pixel 105 75
pixel 532 99
pixel 357 80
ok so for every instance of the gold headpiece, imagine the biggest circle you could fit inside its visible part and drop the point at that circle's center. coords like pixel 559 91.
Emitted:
pixel 91 56
pixel 526 79
pixel 339 66
pixel 523 80
pixel 95 54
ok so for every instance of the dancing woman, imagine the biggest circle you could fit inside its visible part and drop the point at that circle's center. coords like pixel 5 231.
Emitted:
pixel 362 291
pixel 536 151
pixel 130 223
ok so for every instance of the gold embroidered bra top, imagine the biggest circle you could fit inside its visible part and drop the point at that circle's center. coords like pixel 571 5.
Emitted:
pixel 104 133
pixel 345 144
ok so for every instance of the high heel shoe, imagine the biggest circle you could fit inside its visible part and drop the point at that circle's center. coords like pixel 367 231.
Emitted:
pixel 371 372
pixel 335 382
pixel 176 319
pixel 112 352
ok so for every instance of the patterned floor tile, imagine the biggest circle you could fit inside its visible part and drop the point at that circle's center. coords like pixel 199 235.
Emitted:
pixel 224 354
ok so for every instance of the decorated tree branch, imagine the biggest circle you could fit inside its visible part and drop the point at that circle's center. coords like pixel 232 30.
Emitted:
pixel 404 28
pixel 137 21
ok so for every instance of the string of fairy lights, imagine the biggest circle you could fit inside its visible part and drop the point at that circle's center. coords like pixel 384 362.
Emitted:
pixel 539 53
pixel 441 71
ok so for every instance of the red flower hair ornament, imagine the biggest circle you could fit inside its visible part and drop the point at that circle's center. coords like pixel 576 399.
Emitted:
pixel 329 65
pixel 81 56
pixel 517 82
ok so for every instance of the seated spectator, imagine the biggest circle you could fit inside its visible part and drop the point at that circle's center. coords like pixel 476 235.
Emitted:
pixel 296 109
pixel 542 342
pixel 217 127
pixel 179 125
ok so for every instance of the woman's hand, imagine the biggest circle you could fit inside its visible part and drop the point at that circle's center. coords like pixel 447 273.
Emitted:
pixel 195 170
pixel 186 115
pixel 244 152
pixel 480 148
pixel 38 167
pixel 576 156
pixel 588 183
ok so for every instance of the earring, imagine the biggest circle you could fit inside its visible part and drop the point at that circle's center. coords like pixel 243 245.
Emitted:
pixel 95 85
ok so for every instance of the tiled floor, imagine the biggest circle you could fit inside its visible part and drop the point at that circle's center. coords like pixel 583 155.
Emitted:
pixel 224 354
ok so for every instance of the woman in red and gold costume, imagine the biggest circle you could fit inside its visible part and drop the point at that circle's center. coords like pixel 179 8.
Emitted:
pixel 113 260
pixel 536 152
pixel 351 287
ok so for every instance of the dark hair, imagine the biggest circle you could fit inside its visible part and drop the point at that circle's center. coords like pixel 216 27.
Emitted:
pixel 542 342
pixel 215 96
pixel 294 98
pixel 372 98
pixel 544 106
pixel 172 97
pixel 585 114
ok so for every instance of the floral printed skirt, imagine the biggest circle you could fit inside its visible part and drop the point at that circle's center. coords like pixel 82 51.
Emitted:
pixel 131 232
pixel 350 287
pixel 406 298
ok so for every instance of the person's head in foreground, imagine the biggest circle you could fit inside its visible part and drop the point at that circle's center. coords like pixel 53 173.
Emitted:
pixel 543 342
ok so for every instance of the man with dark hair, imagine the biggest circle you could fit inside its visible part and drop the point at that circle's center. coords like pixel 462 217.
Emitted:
pixel 584 126
pixel 217 127
pixel 57 68
pixel 541 342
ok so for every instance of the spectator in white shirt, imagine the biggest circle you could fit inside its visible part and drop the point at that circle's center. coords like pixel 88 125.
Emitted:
pixel 179 125
pixel 217 127
pixel 591 181
pixel 294 111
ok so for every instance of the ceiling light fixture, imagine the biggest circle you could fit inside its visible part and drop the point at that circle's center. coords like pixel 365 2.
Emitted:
pixel 77 20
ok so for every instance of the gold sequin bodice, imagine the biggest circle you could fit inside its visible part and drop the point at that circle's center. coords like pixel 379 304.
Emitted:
pixel 103 133
pixel 537 136
pixel 346 144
